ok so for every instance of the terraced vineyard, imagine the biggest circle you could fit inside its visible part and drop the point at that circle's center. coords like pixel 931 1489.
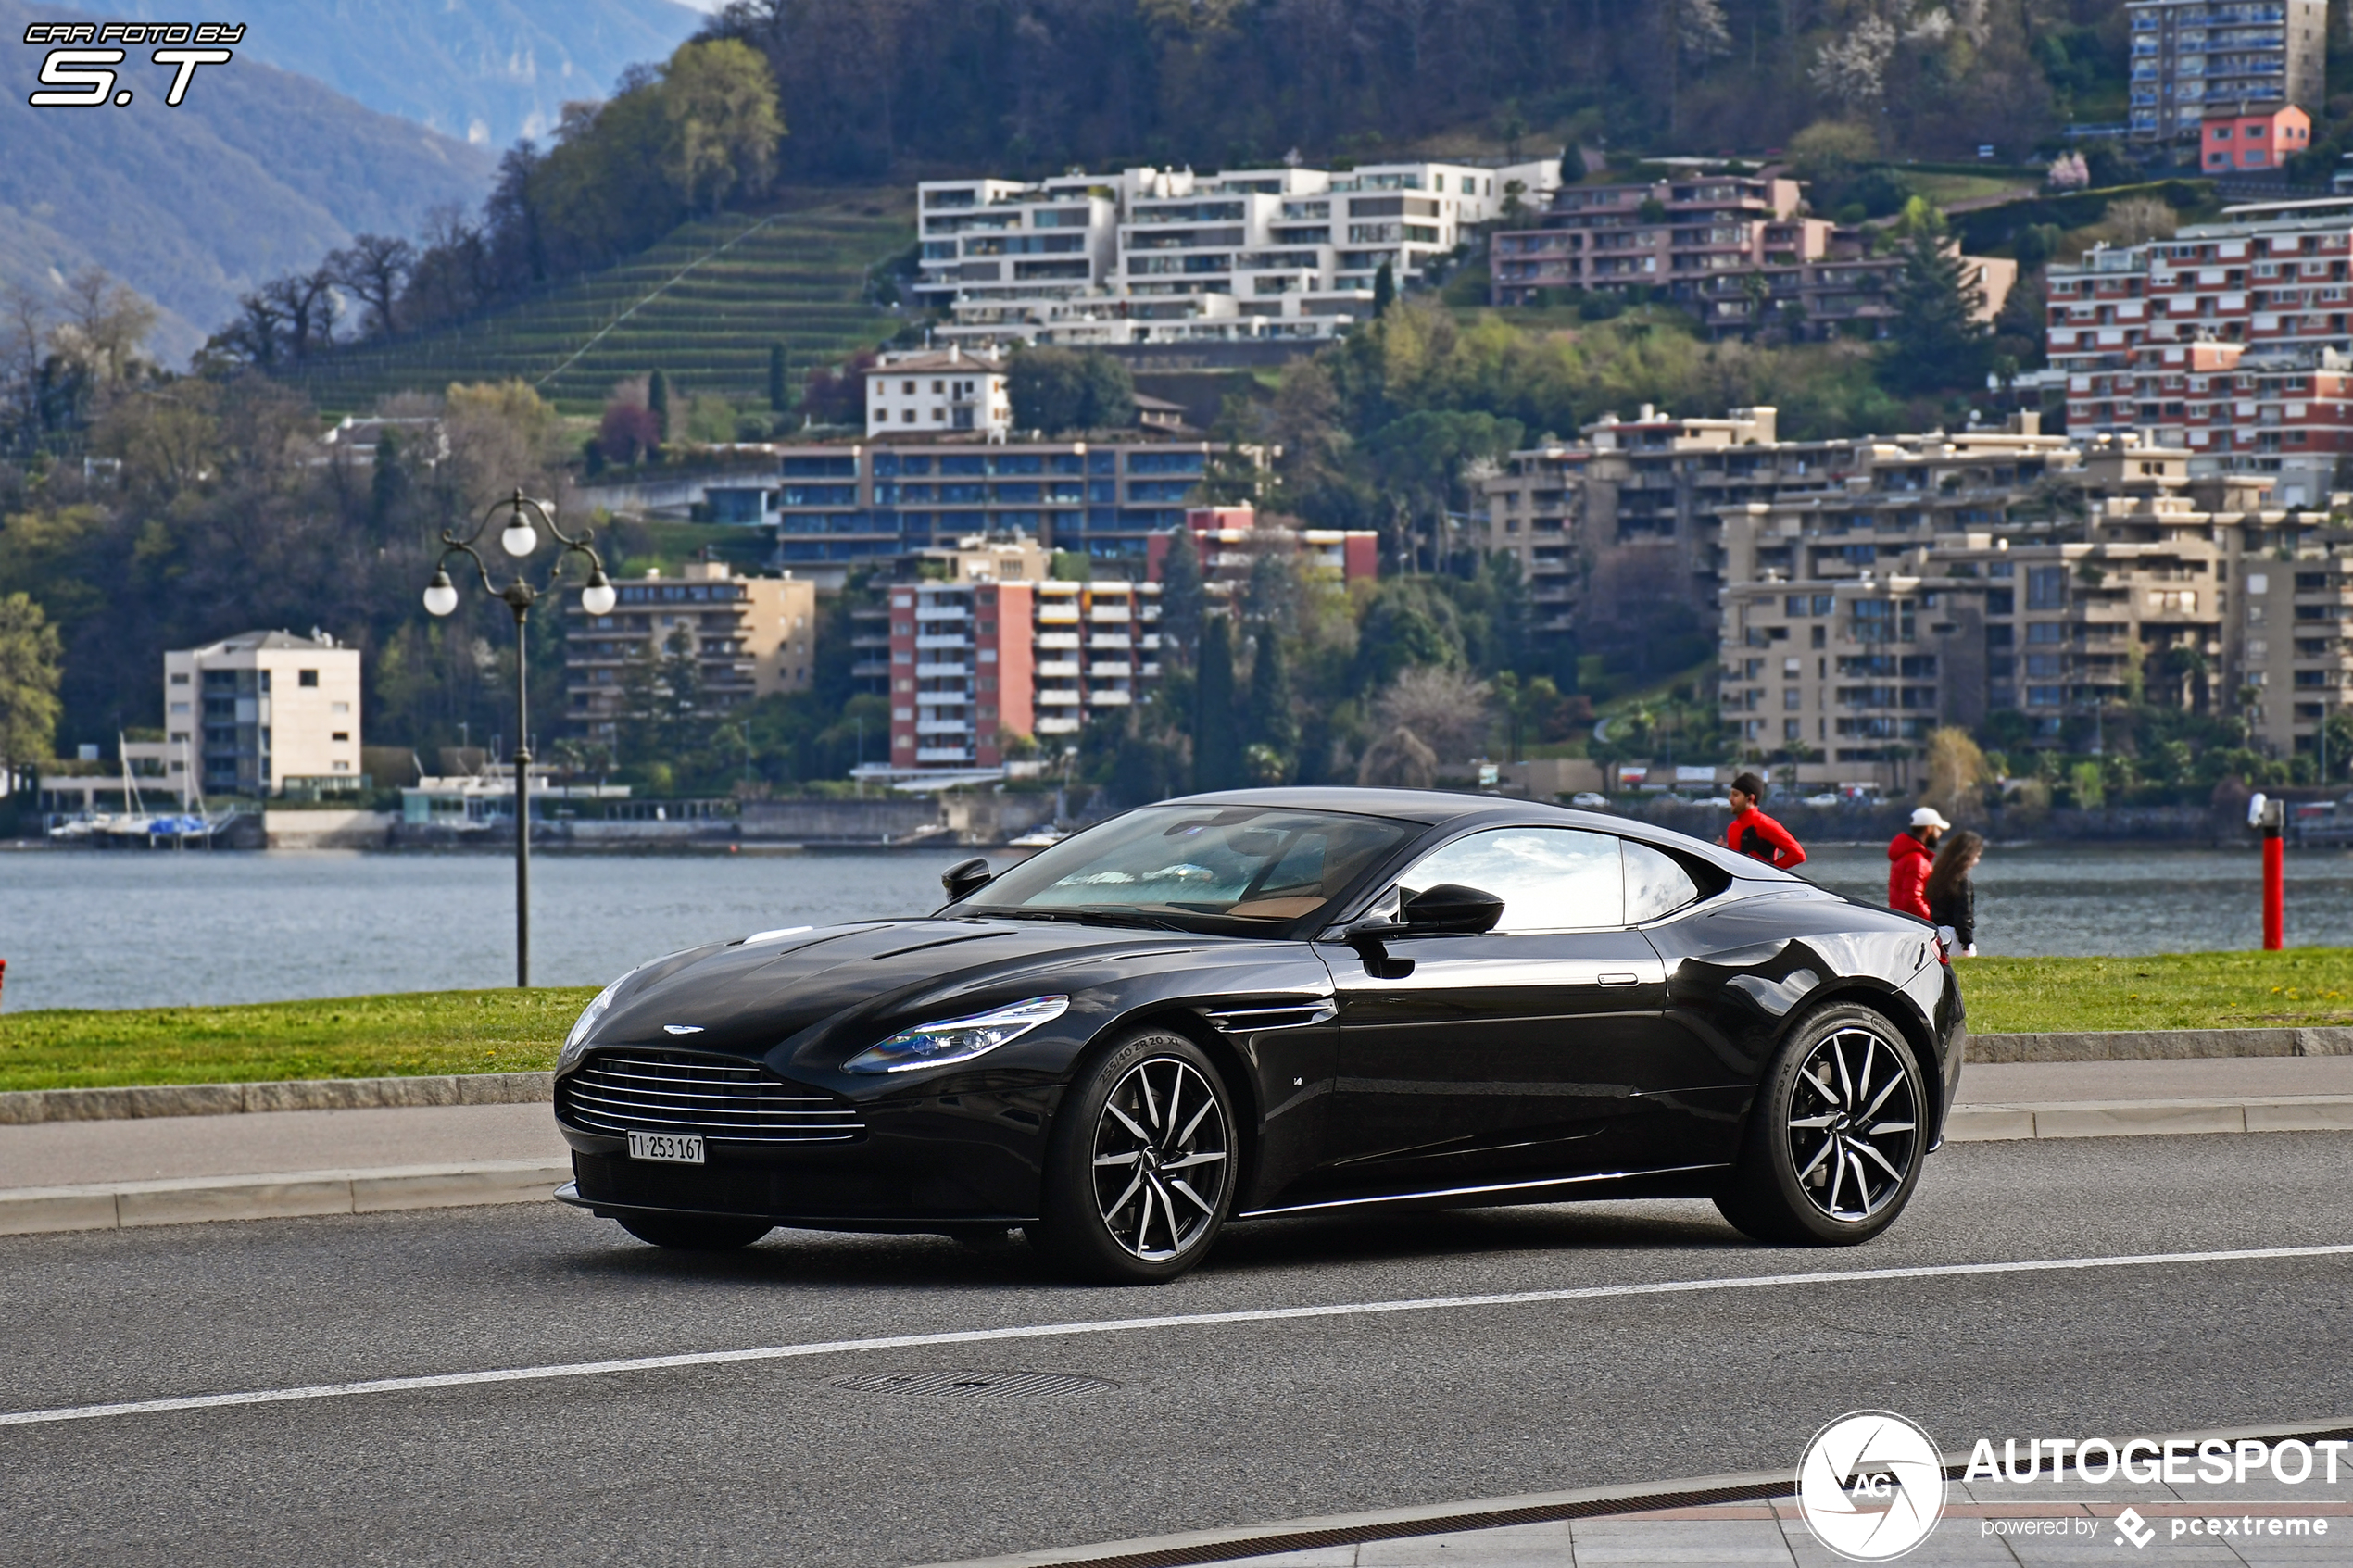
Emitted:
pixel 702 306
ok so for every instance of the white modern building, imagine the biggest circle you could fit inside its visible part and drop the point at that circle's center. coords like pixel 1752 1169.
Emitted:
pixel 1169 255
pixel 928 393
pixel 257 713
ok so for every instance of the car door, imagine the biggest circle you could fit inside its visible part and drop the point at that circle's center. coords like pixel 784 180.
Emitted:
pixel 1508 1054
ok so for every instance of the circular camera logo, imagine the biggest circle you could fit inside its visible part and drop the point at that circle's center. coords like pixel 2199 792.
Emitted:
pixel 1871 1486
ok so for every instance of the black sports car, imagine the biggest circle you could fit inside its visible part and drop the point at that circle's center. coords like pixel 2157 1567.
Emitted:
pixel 1277 1002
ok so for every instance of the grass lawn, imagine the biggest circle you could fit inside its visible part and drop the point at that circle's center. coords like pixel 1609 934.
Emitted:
pixel 348 1037
pixel 519 1030
pixel 2257 990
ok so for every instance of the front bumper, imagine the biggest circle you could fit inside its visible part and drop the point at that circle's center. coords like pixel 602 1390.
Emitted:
pixel 950 1159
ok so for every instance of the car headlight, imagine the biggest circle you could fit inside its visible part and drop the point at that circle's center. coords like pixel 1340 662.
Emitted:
pixel 569 1058
pixel 957 1039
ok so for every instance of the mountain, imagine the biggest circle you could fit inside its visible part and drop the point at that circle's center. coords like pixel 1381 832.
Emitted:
pixel 487 71
pixel 257 172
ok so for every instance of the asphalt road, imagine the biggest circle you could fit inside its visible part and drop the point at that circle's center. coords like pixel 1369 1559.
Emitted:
pixel 1207 1424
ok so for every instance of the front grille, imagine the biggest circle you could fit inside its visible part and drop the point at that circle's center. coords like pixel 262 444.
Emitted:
pixel 619 1092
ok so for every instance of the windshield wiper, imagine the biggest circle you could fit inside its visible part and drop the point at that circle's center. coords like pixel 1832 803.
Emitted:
pixel 1094 917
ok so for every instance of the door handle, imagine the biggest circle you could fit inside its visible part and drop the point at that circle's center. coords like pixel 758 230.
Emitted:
pixel 1618 978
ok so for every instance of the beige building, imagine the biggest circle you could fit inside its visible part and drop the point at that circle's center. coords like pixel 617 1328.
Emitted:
pixel 1847 638
pixel 753 636
pixel 257 714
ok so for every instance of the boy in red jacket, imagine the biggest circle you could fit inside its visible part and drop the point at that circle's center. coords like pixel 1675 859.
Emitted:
pixel 1910 856
pixel 1755 835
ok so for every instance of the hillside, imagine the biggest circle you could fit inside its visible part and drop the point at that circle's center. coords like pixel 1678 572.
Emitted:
pixel 702 306
pixel 482 70
pixel 256 172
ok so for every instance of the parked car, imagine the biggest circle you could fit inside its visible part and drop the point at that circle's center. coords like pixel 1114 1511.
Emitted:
pixel 1279 1002
pixel 1587 800
pixel 1827 797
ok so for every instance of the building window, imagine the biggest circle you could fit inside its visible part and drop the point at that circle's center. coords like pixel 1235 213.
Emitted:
pixel 343 735
pixel 306 677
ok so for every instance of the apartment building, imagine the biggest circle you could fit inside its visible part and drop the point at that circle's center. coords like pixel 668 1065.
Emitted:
pixel 1168 256
pixel 1531 506
pixel 2188 55
pixel 1230 540
pixel 1736 247
pixel 259 714
pixel 1660 233
pixel 1641 514
pixel 2237 139
pixel 976 663
pixel 837 505
pixel 2165 584
pixel 2183 338
pixel 751 636
pixel 933 393
pixel 2297 660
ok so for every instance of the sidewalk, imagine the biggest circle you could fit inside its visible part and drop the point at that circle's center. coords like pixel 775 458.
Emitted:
pixel 73 1176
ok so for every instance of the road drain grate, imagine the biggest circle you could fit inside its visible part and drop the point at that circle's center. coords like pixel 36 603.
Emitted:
pixel 976 1384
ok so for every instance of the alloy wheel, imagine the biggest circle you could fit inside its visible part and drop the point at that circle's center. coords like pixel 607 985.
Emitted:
pixel 1853 1124
pixel 1160 1158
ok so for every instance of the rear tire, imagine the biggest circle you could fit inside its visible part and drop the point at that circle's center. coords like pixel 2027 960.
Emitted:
pixel 687 1233
pixel 1140 1168
pixel 1832 1149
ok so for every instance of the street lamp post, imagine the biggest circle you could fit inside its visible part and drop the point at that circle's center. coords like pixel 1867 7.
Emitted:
pixel 519 538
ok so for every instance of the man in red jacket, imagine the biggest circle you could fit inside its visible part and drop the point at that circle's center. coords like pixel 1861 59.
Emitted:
pixel 1910 856
pixel 1755 835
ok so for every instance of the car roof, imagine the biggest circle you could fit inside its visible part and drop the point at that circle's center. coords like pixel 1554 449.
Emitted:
pixel 1433 806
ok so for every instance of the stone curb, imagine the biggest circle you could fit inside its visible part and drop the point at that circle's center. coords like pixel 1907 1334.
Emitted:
pixel 22 1105
pixel 2144 1118
pixel 2161 1044
pixel 281 1195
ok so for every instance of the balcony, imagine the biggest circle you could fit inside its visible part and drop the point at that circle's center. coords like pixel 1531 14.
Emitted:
pixel 944 754
pixel 942 700
pixel 1059 667
pixel 1057 697
pixel 943 727
pixel 943 671
pixel 958 642
pixel 1058 640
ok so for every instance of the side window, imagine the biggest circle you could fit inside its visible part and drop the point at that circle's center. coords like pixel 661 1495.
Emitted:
pixel 1549 878
pixel 1657 884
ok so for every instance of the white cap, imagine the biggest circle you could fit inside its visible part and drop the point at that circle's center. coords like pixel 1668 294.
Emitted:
pixel 1929 817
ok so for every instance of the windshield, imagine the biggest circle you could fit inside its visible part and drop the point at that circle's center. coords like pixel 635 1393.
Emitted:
pixel 1180 864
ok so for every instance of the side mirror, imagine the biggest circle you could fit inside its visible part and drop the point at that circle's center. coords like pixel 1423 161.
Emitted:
pixel 1449 907
pixel 965 878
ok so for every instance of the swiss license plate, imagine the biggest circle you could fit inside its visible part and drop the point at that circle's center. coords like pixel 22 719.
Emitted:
pixel 675 1147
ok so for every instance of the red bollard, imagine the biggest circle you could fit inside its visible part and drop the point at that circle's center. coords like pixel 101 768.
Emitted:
pixel 2269 817
pixel 4 972
pixel 2274 892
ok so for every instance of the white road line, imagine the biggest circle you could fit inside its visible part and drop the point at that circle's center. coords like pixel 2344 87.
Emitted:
pixel 1129 1325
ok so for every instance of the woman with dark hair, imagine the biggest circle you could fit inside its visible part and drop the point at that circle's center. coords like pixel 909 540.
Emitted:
pixel 1951 897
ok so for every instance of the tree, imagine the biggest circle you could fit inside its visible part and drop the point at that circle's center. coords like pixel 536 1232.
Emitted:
pixel 31 657
pixel 1060 389
pixel 1939 338
pixel 1384 290
pixel 1217 753
pixel 657 403
pixel 627 433
pixel 779 380
pixel 376 268
pixel 1695 31
pixel 1270 725
pixel 719 105
pixel 1182 596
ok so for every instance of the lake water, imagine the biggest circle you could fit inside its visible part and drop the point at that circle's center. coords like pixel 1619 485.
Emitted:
pixel 96 929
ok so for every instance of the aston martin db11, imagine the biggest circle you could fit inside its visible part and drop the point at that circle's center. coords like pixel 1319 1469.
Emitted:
pixel 1280 1002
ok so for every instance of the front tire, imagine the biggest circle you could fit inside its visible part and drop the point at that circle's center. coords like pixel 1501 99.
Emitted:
pixel 1139 1172
pixel 687 1232
pixel 1832 1149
